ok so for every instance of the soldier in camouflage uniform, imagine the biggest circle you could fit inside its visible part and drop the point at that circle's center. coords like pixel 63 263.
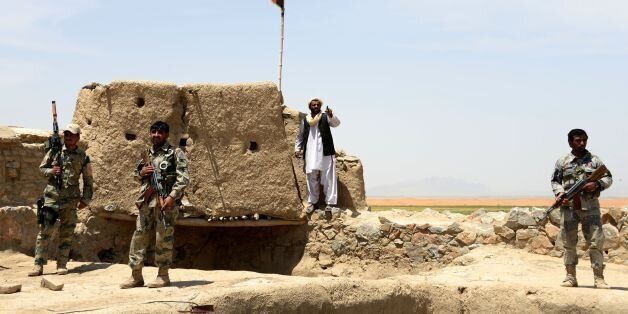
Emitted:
pixel 63 202
pixel 583 208
pixel 171 169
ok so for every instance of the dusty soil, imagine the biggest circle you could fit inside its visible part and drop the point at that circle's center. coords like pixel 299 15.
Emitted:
pixel 481 201
pixel 493 279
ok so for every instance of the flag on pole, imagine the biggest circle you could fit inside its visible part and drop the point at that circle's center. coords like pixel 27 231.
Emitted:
pixel 279 3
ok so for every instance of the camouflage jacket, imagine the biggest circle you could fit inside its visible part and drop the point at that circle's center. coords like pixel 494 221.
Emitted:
pixel 569 169
pixel 73 164
pixel 171 169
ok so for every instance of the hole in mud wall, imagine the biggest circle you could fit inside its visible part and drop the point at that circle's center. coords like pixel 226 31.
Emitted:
pixel 130 136
pixel 106 256
pixel 140 102
pixel 268 250
pixel 89 121
pixel 253 147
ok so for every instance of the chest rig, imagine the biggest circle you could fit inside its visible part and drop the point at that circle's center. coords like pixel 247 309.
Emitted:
pixel 165 164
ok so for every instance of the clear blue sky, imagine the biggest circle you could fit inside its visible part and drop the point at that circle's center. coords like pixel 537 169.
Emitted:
pixel 474 92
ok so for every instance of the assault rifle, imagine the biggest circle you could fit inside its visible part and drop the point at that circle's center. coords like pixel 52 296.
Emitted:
pixel 54 142
pixel 574 190
pixel 155 188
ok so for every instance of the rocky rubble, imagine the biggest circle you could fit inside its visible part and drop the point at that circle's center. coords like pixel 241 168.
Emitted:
pixel 431 239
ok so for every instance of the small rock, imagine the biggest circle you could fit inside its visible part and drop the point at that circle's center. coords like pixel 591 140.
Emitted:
pixel 394 234
pixel 611 237
pixel 519 218
pixel 367 232
pixel 436 229
pixel 552 231
pixel 504 232
pixel 493 239
pixel 340 247
pixel 384 220
pixel 329 233
pixel 466 237
pixel 523 236
pixel 385 228
pixel 414 252
pixel 454 228
pixel 433 252
pixel 8 289
pixel 473 246
pixel 47 283
pixel 325 260
pixel 398 242
pixel 410 228
pixel 477 214
pixel 463 260
pixel 405 237
pixel 423 239
pixel 422 227
pixel 556 253
pixel 540 245
pixel 554 217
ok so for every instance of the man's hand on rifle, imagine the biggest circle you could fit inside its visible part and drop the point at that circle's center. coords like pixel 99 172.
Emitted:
pixel 590 186
pixel 56 170
pixel 298 154
pixel 147 170
pixel 168 203
pixel 565 201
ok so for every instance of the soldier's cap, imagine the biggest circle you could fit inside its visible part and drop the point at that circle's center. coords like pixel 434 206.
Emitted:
pixel 72 128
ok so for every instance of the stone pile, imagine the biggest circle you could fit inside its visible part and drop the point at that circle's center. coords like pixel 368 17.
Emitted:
pixel 336 243
pixel 421 244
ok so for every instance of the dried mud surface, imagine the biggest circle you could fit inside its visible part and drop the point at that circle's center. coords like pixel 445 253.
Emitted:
pixel 494 279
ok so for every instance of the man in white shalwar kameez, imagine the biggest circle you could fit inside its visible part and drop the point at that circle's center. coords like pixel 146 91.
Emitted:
pixel 316 144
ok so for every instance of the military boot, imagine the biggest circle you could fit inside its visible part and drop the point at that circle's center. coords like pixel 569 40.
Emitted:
pixel 598 278
pixel 136 280
pixel 62 269
pixel 38 270
pixel 570 279
pixel 162 279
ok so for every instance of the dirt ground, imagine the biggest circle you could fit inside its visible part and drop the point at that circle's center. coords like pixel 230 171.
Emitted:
pixel 489 278
pixel 481 201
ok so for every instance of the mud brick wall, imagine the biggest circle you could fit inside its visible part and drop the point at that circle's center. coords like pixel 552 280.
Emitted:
pixel 237 149
pixel 21 183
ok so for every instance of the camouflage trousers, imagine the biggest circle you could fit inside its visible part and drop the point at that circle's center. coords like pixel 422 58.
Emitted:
pixel 591 229
pixel 149 227
pixel 67 218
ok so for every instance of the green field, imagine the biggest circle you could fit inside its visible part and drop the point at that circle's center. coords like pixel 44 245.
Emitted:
pixel 453 209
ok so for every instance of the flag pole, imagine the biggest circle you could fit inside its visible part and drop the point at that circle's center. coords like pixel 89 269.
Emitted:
pixel 281 48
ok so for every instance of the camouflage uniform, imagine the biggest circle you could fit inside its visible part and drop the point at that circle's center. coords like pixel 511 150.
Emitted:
pixel 63 201
pixel 171 168
pixel 569 170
